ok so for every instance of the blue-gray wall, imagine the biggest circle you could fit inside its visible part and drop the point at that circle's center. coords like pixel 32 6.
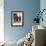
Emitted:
pixel 43 6
pixel 30 7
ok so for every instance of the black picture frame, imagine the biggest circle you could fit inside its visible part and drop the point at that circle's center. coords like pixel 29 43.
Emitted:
pixel 17 18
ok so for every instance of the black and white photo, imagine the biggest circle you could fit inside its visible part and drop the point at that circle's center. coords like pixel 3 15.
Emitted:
pixel 17 18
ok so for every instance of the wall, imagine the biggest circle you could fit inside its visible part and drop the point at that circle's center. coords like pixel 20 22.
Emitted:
pixel 43 6
pixel 1 21
pixel 29 7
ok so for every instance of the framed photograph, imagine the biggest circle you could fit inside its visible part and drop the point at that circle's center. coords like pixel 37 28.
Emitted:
pixel 17 18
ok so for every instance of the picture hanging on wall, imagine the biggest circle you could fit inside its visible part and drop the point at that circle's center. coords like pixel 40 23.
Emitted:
pixel 17 18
